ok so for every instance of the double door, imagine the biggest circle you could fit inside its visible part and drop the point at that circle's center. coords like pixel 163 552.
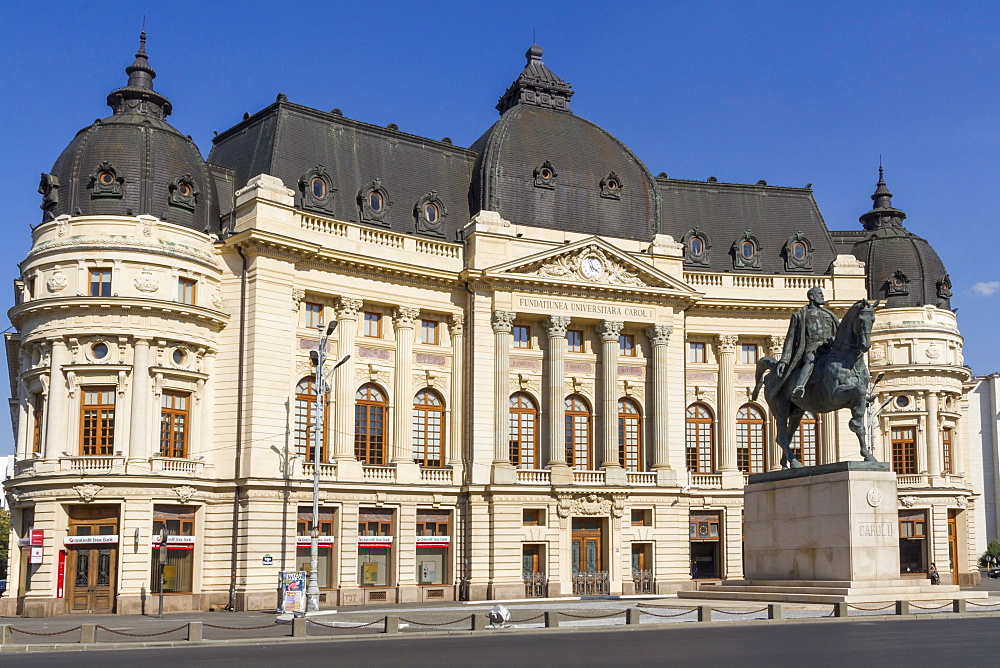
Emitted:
pixel 90 567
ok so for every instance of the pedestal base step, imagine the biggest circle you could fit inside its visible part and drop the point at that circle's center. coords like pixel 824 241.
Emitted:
pixel 812 591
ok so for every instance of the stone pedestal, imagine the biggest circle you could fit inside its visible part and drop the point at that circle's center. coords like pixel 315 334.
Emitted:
pixel 824 534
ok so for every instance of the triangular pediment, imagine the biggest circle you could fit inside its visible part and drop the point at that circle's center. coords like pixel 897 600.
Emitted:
pixel 591 261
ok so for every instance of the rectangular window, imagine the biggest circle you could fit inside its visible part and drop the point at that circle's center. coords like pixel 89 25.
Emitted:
pixel 532 517
pixel 642 518
pixel 574 341
pixel 912 541
pixel 174 423
pixel 97 421
pixel 433 545
pixel 100 283
pixel 178 573
pixel 373 325
pixel 186 290
pixel 314 314
pixel 946 450
pixel 303 546
pixel 904 450
pixel 626 345
pixel 30 285
pixel 38 419
pixel 696 353
pixel 749 353
pixel 374 547
pixel 429 332
pixel 522 336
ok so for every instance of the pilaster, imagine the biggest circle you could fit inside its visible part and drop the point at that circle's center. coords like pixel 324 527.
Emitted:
pixel 503 324
pixel 659 338
pixel 610 330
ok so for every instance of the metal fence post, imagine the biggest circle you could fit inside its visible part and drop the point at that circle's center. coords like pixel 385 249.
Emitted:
pixel 551 620
pixel 704 613
pixel 194 631
pixel 391 624
pixel 774 611
pixel 88 633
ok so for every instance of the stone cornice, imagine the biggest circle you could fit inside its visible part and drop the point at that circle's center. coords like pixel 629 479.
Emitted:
pixel 82 306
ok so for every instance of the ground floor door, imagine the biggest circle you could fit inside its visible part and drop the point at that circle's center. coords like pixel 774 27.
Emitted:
pixel 587 558
pixel 953 544
pixel 705 545
pixel 90 567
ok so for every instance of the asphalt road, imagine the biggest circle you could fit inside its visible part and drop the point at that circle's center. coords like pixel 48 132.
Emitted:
pixel 918 642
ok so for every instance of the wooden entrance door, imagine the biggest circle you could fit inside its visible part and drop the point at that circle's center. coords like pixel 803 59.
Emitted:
pixel 586 548
pixel 90 568
pixel 953 544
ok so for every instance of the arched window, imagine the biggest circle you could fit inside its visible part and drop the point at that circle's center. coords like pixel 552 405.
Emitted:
pixel 370 408
pixel 579 454
pixel 750 439
pixel 428 435
pixel 699 439
pixel 305 421
pixel 804 441
pixel 523 431
pixel 630 436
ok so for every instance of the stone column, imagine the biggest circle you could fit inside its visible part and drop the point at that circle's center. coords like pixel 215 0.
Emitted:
pixel 933 437
pixel 827 451
pixel 205 444
pixel 555 395
pixel 725 346
pixel 25 433
pixel 775 345
pixel 503 324
pixel 456 428
pixel 659 337
pixel 57 411
pixel 139 449
pixel 921 444
pixel 609 330
pixel 346 310
pixel 403 319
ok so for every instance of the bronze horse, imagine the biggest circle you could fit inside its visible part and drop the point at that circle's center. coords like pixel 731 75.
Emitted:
pixel 840 379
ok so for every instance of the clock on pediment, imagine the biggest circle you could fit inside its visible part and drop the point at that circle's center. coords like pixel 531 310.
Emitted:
pixel 592 267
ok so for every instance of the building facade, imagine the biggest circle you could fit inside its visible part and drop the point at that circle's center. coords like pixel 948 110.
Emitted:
pixel 551 356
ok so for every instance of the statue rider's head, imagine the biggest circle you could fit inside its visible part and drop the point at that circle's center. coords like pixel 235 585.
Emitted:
pixel 816 296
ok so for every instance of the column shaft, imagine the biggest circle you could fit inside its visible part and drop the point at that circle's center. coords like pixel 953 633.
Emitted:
pixel 205 442
pixel 921 444
pixel 828 452
pixel 402 431
pixel 457 425
pixel 933 437
pixel 139 445
pixel 610 330
pixel 555 391
pixel 659 336
pixel 503 323
pixel 347 319
pixel 726 348
pixel 57 412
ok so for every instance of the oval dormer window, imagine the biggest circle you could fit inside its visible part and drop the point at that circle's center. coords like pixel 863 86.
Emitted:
pixel 318 188
pixel 375 201
pixel 184 190
pixel 697 246
pixel 799 250
pixel 431 213
pixel 747 250
pixel 106 178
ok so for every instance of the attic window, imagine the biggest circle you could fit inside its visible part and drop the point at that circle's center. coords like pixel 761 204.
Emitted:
pixel 431 213
pixel 798 253
pixel 373 202
pixel 611 187
pixel 746 251
pixel 106 181
pixel 696 247
pixel 106 178
pixel 183 192
pixel 429 210
pixel 316 190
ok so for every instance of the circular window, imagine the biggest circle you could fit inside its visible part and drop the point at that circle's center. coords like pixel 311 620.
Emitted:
pixel 179 356
pixel 106 178
pixel 375 201
pixel 184 190
pixel 613 185
pixel 431 213
pixel 747 250
pixel 99 351
pixel 318 188
pixel 799 250
pixel 546 173
pixel 898 282
pixel 902 401
pixel 697 246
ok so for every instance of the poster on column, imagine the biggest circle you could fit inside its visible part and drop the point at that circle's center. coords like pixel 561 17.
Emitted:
pixel 293 591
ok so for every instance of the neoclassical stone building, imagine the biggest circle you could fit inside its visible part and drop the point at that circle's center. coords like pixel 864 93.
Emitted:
pixel 551 356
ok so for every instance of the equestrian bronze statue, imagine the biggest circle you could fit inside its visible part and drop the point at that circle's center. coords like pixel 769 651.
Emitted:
pixel 822 369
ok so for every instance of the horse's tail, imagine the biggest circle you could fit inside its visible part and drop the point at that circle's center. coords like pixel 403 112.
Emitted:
pixel 763 364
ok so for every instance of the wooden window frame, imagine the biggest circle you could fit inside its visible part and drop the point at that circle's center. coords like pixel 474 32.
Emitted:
pixel 751 439
pixel 424 415
pixel 641 517
pixel 303 437
pixel 904 450
pixel 570 345
pixel 314 315
pixel 522 336
pixel 429 332
pixel 579 434
pixel 694 439
pixel 187 290
pixel 947 453
pixel 523 431
pixel 38 421
pixel 749 353
pixel 630 452
pixel 101 433
pixel 626 345
pixel 97 288
pixel 369 448
pixel 532 517
pixel 372 323
pixel 697 352
pixel 174 442
pixel 327 527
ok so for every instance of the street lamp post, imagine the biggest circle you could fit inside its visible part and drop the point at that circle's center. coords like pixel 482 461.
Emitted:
pixel 322 388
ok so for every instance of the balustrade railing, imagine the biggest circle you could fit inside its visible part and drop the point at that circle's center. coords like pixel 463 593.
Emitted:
pixel 325 470
pixel 92 464
pixel 380 473
pixel 436 475
pixel 588 477
pixel 709 480
pixel 640 478
pixel 911 480
pixel 534 476
pixel 590 584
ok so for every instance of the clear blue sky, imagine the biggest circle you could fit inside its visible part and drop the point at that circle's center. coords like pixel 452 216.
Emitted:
pixel 790 92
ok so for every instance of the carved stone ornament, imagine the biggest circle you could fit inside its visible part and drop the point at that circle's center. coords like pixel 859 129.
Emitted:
pixel 591 264
pixel 610 330
pixel 932 352
pixel 775 345
pixel 556 326
pixel 57 281
pixel 727 342
pixel 961 501
pixel 62 226
pixel 659 335
pixel 908 501
pixel 347 308
pixel 503 321
pixel 877 353
pixel 184 493
pixel 183 192
pixel 591 504
pixel 404 317
pixel 456 324
pixel 88 492
pixel 145 282
pixel 298 294
pixel 217 301
pixel 373 203
pixel 874 497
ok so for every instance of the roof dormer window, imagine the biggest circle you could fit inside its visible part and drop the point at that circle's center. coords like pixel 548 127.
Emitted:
pixel 316 190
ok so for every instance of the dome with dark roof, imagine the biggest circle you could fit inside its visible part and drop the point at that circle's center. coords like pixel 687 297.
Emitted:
pixel 133 163
pixel 540 165
pixel 903 269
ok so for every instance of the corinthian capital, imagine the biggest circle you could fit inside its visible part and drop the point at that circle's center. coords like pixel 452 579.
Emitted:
pixel 659 335
pixel 456 324
pixel 610 330
pixel 503 321
pixel 347 308
pixel 403 317
pixel 556 326
pixel 726 343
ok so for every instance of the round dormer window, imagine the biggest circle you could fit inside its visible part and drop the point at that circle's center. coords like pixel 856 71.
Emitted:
pixel 697 246
pixel 106 178
pixel 431 213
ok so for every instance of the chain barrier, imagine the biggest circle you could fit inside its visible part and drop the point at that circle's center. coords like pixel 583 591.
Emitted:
pixel 920 607
pixel 410 621
pixel 238 628
pixel 610 614
pixel 528 619
pixel 885 607
pixel 739 612
pixel 140 635
pixel 983 605
pixel 679 614
pixel 35 633
pixel 357 626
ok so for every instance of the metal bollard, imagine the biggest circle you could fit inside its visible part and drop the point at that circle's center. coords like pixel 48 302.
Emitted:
pixel 632 616
pixel 704 613
pixel 478 622
pixel 774 611
pixel 299 627
pixel 957 605
pixel 551 620
pixel 902 607
pixel 88 633
pixel 391 624
pixel 840 609
pixel 194 631
pixel 5 635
